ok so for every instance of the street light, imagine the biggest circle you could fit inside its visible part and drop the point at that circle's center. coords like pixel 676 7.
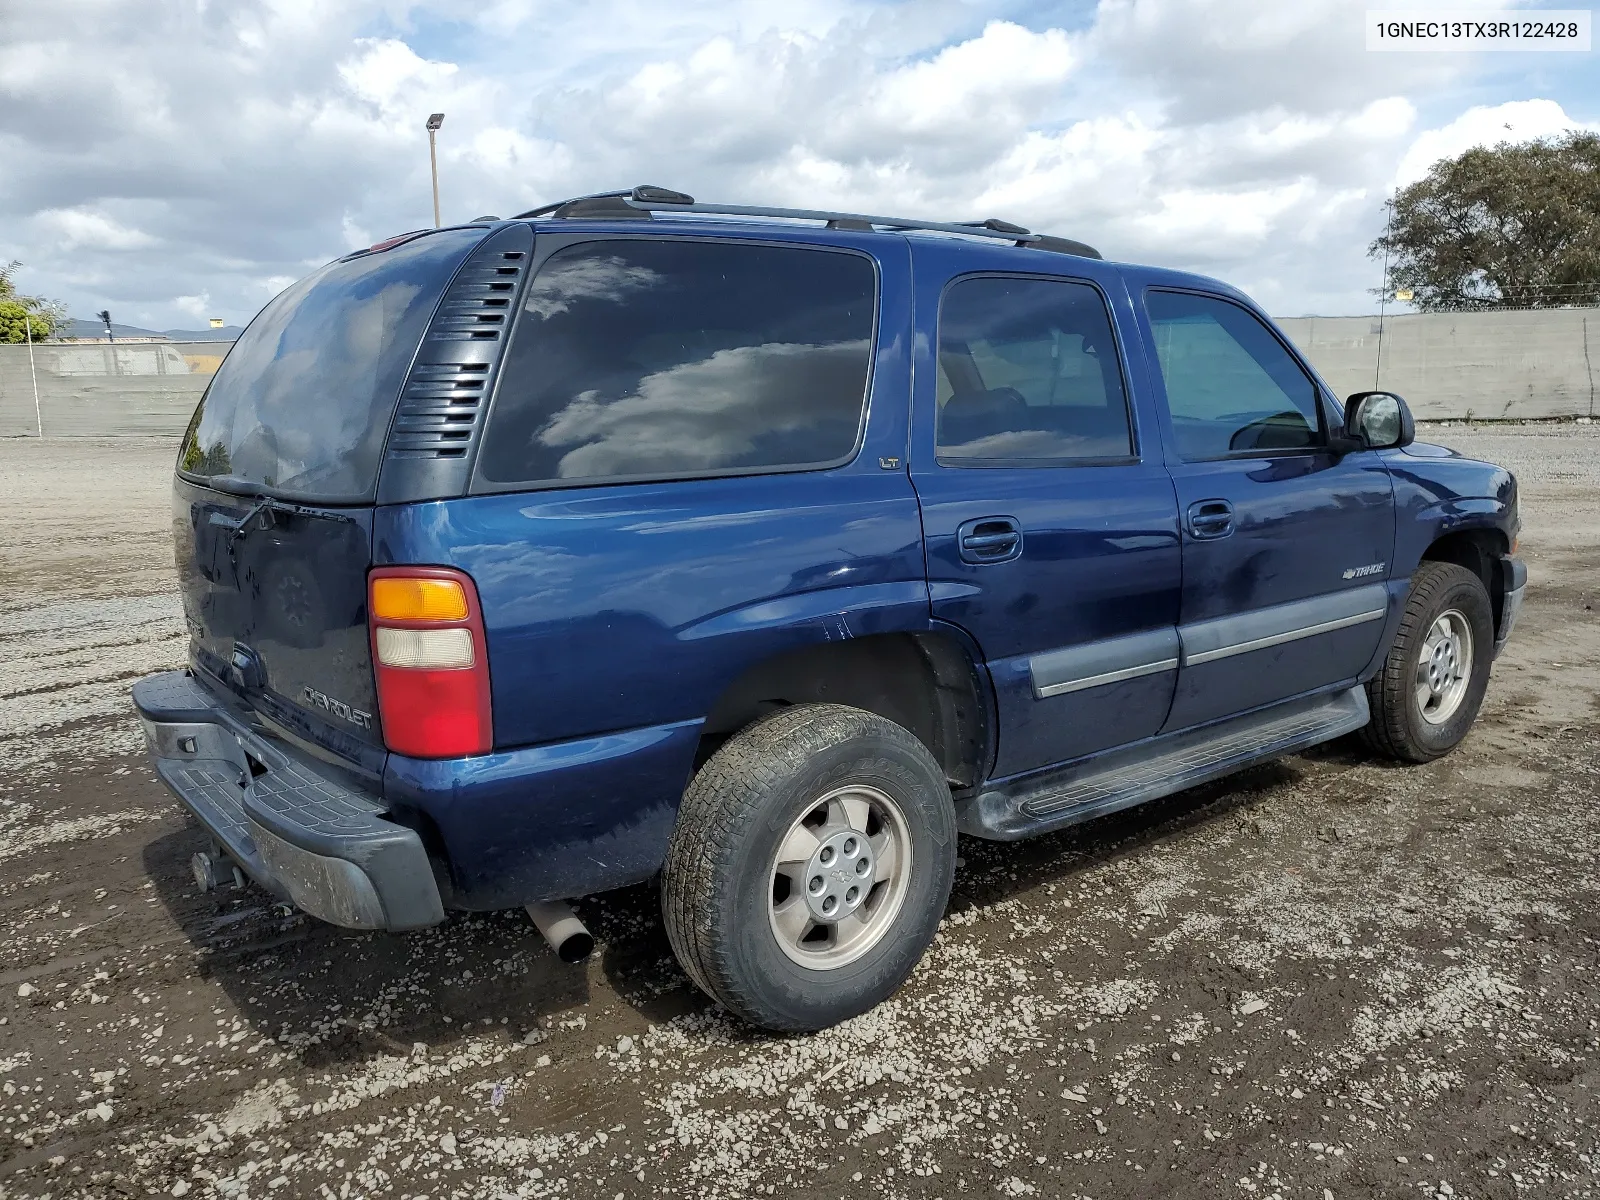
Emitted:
pixel 434 121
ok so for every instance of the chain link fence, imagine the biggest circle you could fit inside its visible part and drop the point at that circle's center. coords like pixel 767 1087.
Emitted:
pixel 1505 365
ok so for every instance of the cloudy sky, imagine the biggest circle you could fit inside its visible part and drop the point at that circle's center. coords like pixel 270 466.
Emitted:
pixel 175 160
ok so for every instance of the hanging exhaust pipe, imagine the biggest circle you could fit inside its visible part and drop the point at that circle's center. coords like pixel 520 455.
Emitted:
pixel 560 926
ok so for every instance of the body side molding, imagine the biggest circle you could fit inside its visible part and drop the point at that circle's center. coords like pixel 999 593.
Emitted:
pixel 1223 637
pixel 1077 668
pixel 1057 672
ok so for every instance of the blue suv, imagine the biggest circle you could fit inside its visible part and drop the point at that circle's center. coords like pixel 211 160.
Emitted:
pixel 764 551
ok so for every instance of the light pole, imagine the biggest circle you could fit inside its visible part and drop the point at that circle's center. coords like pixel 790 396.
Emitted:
pixel 434 121
pixel 38 414
pixel 105 315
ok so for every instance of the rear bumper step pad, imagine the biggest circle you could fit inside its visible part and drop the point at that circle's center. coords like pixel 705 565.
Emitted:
pixel 299 833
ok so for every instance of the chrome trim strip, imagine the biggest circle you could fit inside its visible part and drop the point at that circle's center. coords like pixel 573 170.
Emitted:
pixel 1078 685
pixel 1259 628
pixel 1116 660
pixel 1278 639
pixel 1092 664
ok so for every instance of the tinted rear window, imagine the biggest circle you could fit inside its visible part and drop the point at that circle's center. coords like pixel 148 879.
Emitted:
pixel 302 404
pixel 654 358
pixel 1028 373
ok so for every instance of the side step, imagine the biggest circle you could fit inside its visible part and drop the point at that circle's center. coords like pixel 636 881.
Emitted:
pixel 1090 788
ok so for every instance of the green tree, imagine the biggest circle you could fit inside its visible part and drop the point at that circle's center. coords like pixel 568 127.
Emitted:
pixel 18 313
pixel 1516 225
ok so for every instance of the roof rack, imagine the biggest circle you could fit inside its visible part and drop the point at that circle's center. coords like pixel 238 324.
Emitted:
pixel 638 203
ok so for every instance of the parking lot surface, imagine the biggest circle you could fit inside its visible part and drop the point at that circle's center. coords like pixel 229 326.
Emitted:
pixel 1325 976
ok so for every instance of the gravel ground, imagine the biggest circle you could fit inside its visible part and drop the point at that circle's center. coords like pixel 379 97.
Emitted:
pixel 1325 977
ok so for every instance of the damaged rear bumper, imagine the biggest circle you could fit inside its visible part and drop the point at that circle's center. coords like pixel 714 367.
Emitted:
pixel 295 829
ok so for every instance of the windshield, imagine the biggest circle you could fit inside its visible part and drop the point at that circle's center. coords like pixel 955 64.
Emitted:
pixel 302 404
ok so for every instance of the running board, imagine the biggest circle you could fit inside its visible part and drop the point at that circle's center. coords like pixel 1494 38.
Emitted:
pixel 1158 767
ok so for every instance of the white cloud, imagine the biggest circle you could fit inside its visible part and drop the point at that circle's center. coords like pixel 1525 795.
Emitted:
pixel 1485 125
pixel 198 307
pixel 352 236
pixel 155 151
pixel 386 70
pixel 998 76
pixel 80 228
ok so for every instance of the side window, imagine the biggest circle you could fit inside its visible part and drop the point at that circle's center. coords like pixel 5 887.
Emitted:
pixel 1028 372
pixel 1231 386
pixel 654 358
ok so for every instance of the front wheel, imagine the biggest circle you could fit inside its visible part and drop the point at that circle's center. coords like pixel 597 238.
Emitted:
pixel 1428 693
pixel 810 866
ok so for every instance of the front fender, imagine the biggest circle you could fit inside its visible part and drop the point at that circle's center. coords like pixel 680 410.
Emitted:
pixel 1438 493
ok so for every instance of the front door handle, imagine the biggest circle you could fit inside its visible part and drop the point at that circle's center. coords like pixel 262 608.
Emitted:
pixel 989 540
pixel 1210 519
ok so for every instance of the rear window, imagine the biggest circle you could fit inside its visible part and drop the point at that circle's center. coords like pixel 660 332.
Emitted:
pixel 302 404
pixel 651 358
pixel 1028 373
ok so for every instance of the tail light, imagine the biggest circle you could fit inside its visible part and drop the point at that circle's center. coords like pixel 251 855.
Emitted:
pixel 431 661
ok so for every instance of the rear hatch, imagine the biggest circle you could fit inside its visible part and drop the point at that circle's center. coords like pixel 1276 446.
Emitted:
pixel 273 501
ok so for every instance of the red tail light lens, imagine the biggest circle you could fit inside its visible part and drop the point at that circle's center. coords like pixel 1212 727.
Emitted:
pixel 431 662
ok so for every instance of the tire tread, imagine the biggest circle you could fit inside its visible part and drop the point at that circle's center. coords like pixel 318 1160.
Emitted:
pixel 725 795
pixel 1388 692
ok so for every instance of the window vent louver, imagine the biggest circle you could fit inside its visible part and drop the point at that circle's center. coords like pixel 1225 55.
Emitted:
pixel 442 403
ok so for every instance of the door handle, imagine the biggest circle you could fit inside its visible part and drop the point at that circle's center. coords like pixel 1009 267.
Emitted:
pixel 990 540
pixel 1209 519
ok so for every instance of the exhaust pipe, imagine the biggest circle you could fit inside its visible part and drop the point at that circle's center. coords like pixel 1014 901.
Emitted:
pixel 560 926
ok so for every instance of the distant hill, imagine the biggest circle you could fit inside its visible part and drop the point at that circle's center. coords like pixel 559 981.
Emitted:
pixel 76 328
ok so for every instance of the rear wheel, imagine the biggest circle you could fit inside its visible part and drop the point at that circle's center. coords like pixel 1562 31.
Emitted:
pixel 1428 693
pixel 810 865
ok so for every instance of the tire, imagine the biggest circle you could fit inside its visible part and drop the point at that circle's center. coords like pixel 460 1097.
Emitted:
pixel 1402 694
pixel 732 920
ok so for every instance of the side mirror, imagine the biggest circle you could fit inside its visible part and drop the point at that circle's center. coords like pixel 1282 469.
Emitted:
pixel 1378 421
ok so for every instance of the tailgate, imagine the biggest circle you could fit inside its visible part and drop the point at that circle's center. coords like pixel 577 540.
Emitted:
pixel 276 603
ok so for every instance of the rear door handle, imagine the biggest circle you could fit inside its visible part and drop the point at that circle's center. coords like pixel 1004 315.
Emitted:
pixel 1209 519
pixel 989 540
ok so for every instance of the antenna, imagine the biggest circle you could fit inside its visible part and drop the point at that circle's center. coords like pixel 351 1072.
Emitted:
pixel 1383 296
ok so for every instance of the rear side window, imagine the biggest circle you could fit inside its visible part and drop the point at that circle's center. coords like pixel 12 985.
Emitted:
pixel 1028 373
pixel 1231 386
pixel 302 404
pixel 656 358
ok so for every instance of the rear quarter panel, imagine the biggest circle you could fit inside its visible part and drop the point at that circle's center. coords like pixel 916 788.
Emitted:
pixel 616 615
pixel 620 607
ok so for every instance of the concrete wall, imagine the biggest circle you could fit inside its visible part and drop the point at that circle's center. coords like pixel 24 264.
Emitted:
pixel 1488 366
pixel 87 388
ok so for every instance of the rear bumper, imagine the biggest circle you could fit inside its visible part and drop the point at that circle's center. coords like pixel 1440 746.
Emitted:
pixel 1515 575
pixel 296 830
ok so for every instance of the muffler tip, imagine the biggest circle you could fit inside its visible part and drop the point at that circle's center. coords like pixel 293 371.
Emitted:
pixel 567 935
pixel 576 948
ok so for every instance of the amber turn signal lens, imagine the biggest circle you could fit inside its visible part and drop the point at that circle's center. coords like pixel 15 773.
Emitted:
pixel 396 599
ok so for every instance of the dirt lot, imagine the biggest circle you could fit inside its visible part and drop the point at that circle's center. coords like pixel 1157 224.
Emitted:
pixel 1327 977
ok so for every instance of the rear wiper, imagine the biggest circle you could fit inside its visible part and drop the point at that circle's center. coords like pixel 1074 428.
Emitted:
pixel 266 506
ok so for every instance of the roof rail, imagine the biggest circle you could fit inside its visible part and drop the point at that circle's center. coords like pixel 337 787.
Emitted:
pixel 641 201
